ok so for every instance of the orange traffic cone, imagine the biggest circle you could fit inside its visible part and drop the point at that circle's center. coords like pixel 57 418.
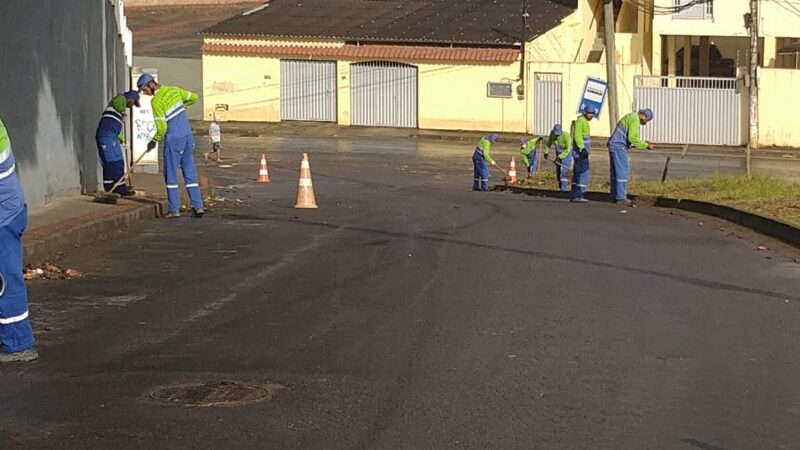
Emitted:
pixel 263 172
pixel 512 172
pixel 305 189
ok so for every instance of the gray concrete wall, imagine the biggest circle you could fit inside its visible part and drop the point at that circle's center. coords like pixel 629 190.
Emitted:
pixel 183 72
pixel 61 62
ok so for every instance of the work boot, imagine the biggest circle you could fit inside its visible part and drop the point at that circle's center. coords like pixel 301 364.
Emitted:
pixel 173 215
pixel 624 202
pixel 579 200
pixel 197 213
pixel 21 356
pixel 129 193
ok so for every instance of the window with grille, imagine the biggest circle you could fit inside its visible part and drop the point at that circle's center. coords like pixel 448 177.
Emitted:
pixel 694 9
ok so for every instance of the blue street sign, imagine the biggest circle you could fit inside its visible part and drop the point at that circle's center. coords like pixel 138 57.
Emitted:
pixel 594 94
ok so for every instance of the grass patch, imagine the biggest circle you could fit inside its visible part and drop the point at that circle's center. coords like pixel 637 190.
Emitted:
pixel 768 197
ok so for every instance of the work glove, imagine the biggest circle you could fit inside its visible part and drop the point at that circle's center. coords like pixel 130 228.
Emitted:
pixel 494 163
pixel 547 156
pixel 650 146
pixel 151 145
pixel 584 154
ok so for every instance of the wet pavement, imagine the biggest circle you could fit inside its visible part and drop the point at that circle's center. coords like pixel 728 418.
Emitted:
pixel 410 312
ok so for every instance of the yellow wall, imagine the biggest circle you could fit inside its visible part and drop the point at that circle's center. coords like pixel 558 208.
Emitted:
pixel 572 40
pixel 250 86
pixel 779 18
pixel 776 125
pixel 727 20
pixel 573 79
pixel 454 98
pixel 451 97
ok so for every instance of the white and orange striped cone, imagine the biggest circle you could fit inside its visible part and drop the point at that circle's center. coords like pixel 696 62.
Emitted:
pixel 263 172
pixel 512 172
pixel 305 188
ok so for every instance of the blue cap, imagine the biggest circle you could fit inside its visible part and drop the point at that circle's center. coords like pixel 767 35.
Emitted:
pixel 589 109
pixel 132 95
pixel 144 79
pixel 647 113
pixel 493 137
pixel 557 129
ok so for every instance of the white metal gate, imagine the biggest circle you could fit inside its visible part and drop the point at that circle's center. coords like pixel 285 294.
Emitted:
pixel 383 94
pixel 692 110
pixel 547 100
pixel 308 90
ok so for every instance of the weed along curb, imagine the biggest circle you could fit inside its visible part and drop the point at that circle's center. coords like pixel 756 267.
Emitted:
pixel 769 227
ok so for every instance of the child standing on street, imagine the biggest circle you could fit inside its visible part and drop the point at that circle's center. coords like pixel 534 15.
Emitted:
pixel 215 136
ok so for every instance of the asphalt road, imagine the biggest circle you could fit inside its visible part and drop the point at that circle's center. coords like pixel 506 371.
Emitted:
pixel 646 165
pixel 408 312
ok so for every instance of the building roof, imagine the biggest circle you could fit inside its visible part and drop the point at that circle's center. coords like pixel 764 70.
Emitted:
pixel 415 53
pixel 465 22
pixel 173 31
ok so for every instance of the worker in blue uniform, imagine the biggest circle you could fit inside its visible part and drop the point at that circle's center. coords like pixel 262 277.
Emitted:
pixel 481 159
pixel 581 149
pixel 110 136
pixel 172 126
pixel 626 135
pixel 16 335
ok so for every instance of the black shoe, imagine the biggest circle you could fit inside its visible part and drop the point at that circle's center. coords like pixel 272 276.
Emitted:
pixel 129 193
pixel 197 213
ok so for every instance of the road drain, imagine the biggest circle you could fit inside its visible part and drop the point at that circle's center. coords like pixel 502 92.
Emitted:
pixel 214 393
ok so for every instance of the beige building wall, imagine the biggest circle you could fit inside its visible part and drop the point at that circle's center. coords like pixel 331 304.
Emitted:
pixel 777 125
pixel 727 20
pixel 454 97
pixel 248 86
pixel 451 96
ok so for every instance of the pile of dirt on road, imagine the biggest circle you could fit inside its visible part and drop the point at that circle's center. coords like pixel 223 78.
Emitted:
pixel 49 271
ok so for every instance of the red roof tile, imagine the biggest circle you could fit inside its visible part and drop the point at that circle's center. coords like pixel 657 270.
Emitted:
pixel 417 53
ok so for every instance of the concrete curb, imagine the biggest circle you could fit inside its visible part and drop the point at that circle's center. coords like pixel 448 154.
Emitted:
pixel 47 242
pixel 766 226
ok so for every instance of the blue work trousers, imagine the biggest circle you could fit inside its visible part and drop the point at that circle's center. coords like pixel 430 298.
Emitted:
pixel 480 180
pixel 620 170
pixel 179 153
pixel 580 175
pixel 16 334
pixel 112 162
pixel 533 157
pixel 562 170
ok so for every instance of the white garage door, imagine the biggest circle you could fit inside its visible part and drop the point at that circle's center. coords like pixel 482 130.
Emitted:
pixel 308 90
pixel 383 94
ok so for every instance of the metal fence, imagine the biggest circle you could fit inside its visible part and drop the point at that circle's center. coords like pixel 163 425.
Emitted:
pixel 308 90
pixel 384 94
pixel 692 110
pixel 547 101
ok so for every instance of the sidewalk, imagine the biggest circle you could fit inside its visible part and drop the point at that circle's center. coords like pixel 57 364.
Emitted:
pixel 72 221
pixel 332 130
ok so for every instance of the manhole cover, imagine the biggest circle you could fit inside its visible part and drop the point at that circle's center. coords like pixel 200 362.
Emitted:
pixel 214 393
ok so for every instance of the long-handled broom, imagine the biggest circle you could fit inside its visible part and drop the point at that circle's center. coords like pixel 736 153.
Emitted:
pixel 112 197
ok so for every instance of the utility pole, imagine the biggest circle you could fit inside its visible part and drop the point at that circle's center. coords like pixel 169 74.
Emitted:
pixel 611 63
pixel 752 22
